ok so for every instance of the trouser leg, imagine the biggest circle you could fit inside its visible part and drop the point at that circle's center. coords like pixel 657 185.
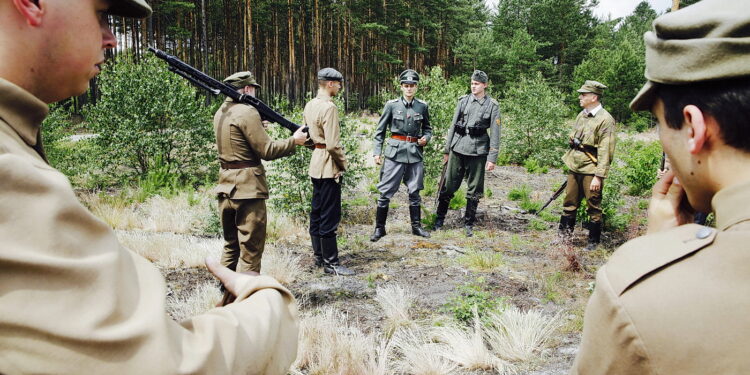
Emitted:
pixel 390 179
pixel 251 229
pixel 594 209
pixel 231 252
pixel 454 174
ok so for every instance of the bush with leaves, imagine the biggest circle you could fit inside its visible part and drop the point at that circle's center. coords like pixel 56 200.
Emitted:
pixel 534 116
pixel 641 161
pixel 148 117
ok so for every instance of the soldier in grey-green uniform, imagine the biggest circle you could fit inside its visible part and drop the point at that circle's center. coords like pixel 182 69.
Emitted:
pixel 592 145
pixel 470 149
pixel 408 119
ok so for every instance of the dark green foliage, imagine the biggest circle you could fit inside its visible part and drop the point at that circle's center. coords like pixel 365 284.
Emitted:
pixel 471 296
pixel 148 117
pixel 641 162
pixel 533 123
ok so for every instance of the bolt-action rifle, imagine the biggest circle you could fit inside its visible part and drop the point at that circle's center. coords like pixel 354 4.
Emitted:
pixel 215 87
pixel 441 183
pixel 576 145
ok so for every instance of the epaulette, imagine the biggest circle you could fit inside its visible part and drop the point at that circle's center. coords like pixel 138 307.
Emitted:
pixel 393 100
pixel 462 96
pixel 641 257
pixel 494 101
pixel 421 101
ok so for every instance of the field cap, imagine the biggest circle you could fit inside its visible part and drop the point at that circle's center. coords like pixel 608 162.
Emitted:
pixel 593 87
pixel 479 76
pixel 706 41
pixel 409 76
pixel 241 79
pixel 330 74
pixel 129 8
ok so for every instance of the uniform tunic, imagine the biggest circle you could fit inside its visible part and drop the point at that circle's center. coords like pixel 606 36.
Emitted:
pixel 596 130
pixel 74 301
pixel 240 137
pixel 469 153
pixel 322 118
pixel 675 302
pixel 403 159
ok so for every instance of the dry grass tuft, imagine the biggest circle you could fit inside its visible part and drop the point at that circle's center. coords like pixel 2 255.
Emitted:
pixel 202 299
pixel 171 250
pixel 328 345
pixel 515 335
pixel 395 302
pixel 467 347
pixel 420 355
pixel 117 214
pixel 183 213
pixel 282 228
pixel 482 260
pixel 281 264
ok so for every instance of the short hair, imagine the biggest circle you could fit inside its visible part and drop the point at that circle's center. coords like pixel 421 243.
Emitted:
pixel 727 101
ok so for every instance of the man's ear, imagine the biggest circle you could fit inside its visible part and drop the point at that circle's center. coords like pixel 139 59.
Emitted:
pixel 31 10
pixel 695 120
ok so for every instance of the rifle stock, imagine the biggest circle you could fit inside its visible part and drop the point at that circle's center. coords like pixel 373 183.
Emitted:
pixel 441 183
pixel 215 87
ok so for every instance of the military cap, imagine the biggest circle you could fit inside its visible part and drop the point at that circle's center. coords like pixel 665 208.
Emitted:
pixel 241 79
pixel 479 76
pixel 593 87
pixel 129 8
pixel 409 76
pixel 330 74
pixel 706 41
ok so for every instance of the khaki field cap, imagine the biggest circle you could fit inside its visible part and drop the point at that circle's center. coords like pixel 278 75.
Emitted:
pixel 330 74
pixel 409 76
pixel 241 79
pixel 130 8
pixel 706 41
pixel 593 87
pixel 479 76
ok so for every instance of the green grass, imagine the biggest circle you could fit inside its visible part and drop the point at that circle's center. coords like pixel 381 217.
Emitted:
pixel 519 193
pixel 482 260
pixel 538 224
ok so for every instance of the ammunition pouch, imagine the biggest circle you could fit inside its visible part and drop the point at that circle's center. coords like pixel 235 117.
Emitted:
pixel 470 130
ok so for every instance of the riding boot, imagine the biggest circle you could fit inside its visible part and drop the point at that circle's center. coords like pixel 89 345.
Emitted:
pixel 442 210
pixel 415 214
pixel 316 250
pixel 595 233
pixel 567 223
pixel 330 251
pixel 381 214
pixel 470 216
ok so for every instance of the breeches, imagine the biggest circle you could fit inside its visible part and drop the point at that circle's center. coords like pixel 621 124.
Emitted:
pixel 244 224
pixel 579 187
pixel 325 213
pixel 391 176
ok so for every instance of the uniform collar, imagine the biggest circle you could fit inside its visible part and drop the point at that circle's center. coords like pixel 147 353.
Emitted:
pixel 592 112
pixel 322 94
pixel 730 205
pixel 23 111
pixel 481 101
pixel 407 104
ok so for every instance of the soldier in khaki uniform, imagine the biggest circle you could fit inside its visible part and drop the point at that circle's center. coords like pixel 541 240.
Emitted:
pixel 675 301
pixel 243 142
pixel 327 166
pixel 592 145
pixel 72 299
pixel 471 147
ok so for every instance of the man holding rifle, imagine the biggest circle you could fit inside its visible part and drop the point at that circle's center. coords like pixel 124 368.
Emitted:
pixel 242 191
pixel 73 300
pixel 408 120
pixel 592 144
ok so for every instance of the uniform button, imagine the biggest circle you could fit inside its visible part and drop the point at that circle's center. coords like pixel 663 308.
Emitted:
pixel 703 233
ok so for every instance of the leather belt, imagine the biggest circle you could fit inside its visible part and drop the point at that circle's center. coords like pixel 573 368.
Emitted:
pixel 405 138
pixel 239 164
pixel 320 145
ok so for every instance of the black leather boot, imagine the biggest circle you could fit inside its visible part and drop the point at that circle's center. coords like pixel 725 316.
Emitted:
pixel 330 252
pixel 442 210
pixel 470 216
pixel 595 234
pixel 316 250
pixel 415 214
pixel 567 223
pixel 381 214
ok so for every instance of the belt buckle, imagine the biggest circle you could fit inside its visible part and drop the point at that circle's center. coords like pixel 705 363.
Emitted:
pixel 411 139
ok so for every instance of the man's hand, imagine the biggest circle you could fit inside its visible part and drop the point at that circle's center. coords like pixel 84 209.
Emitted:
pixel 445 158
pixel 422 141
pixel 265 123
pixel 227 277
pixel 299 137
pixel 596 184
pixel 489 166
pixel 338 175
pixel 669 207
pixel 378 159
